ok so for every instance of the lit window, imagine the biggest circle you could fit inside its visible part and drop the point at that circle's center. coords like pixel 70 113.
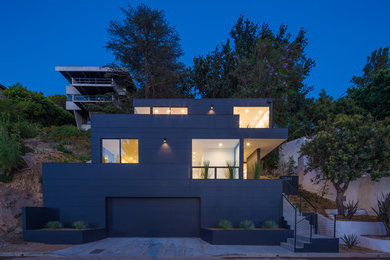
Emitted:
pixel 253 117
pixel 179 110
pixel 119 151
pixel 129 151
pixel 110 151
pixel 170 110
pixel 222 156
pixel 142 110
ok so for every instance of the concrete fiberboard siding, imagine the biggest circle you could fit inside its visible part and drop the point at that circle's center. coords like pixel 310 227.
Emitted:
pixel 80 192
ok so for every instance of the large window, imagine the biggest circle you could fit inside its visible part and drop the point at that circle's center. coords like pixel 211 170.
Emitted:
pixel 119 150
pixel 170 110
pixel 253 117
pixel 215 158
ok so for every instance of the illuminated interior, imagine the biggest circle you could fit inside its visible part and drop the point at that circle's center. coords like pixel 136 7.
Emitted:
pixel 219 152
pixel 253 117
pixel 170 110
pixel 129 151
pixel 251 146
pixel 119 151
pixel 142 110
pixel 110 151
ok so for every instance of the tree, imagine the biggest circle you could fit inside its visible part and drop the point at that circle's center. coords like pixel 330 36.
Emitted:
pixel 374 97
pixel 378 60
pixel 35 107
pixel 347 147
pixel 149 48
pixel 261 63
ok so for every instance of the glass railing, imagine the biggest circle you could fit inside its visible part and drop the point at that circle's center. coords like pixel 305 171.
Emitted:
pixel 93 81
pixel 89 98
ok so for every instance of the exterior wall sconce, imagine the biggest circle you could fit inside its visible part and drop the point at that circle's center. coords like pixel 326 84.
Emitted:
pixel 211 107
pixel 164 140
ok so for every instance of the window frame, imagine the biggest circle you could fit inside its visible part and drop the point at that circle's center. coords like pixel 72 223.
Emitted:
pixel 120 150
pixel 170 110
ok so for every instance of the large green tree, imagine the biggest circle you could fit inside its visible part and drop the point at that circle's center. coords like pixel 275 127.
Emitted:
pixel 257 62
pixel 148 46
pixel 347 147
pixel 371 91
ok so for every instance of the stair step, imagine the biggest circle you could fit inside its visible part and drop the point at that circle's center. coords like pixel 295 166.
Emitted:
pixel 300 243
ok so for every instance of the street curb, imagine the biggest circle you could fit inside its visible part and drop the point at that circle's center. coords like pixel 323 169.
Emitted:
pixel 312 255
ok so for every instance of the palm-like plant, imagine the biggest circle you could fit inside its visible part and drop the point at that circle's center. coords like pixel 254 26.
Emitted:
pixel 257 170
pixel 230 166
pixel 205 170
pixel 383 212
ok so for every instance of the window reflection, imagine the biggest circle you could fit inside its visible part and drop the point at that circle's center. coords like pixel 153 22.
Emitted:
pixel 120 151
pixel 129 150
pixel 110 151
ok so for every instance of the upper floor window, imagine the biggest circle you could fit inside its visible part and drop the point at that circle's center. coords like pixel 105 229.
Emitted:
pixel 119 150
pixel 170 110
pixel 142 110
pixel 253 117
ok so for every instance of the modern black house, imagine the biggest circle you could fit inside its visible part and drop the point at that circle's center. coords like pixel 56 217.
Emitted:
pixel 175 167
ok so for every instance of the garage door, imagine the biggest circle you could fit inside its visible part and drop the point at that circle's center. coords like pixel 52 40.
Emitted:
pixel 153 217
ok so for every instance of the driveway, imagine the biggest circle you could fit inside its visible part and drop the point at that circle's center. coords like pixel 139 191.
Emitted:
pixel 163 247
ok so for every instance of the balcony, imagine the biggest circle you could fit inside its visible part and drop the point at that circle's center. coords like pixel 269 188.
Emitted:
pixel 89 98
pixel 109 82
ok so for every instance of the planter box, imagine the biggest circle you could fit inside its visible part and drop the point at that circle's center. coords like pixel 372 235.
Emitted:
pixel 64 236
pixel 375 243
pixel 245 237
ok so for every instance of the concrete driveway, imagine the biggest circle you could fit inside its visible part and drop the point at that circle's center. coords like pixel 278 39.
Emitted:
pixel 163 247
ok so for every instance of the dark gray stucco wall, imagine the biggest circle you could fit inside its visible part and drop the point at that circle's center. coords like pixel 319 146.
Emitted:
pixel 80 192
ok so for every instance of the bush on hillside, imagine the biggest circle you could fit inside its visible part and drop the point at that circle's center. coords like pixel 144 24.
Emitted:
pixel 65 131
pixel 34 107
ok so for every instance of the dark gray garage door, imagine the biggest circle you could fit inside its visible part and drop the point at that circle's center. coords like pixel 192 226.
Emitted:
pixel 153 217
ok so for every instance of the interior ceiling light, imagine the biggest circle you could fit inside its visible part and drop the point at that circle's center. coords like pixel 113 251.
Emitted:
pixel 248 144
pixel 156 110
pixel 260 111
pixel 182 111
pixel 220 144
pixel 246 111
pixel 256 118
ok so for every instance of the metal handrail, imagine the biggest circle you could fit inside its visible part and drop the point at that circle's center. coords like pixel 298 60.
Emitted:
pixel 302 196
pixel 101 98
pixel 295 220
pixel 215 170
pixel 105 81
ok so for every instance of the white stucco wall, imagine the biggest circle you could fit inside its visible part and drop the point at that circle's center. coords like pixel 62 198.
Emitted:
pixel 363 190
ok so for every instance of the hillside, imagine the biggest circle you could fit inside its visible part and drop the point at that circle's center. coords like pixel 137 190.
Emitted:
pixel 55 144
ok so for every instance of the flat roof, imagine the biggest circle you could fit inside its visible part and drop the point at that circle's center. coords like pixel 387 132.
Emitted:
pixel 70 72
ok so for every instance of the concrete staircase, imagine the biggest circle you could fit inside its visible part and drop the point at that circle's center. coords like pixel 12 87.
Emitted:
pixel 304 228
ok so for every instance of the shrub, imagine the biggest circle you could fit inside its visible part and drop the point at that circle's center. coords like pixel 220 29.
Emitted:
pixel 351 209
pixel 246 224
pixel 225 224
pixel 53 224
pixel 61 148
pixel 230 166
pixel 35 107
pixel 269 224
pixel 65 131
pixel 79 225
pixel 10 153
pixel 350 240
pixel 257 170
pixel 383 212
pixel 205 169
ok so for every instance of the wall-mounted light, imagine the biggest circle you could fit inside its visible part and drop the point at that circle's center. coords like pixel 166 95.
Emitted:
pixel 164 140
pixel 211 107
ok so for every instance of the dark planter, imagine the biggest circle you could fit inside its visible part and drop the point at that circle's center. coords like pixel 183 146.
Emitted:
pixel 64 236
pixel 245 237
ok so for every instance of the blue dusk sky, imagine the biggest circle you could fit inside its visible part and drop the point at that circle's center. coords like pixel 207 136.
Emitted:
pixel 36 36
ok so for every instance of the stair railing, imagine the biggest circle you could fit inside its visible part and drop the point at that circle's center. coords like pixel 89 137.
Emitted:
pixel 311 216
pixel 295 218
